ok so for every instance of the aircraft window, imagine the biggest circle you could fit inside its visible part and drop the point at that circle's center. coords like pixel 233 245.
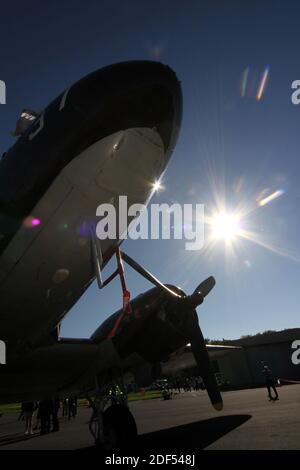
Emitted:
pixel 25 120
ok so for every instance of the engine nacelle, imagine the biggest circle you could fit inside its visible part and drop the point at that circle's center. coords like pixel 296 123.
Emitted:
pixel 153 329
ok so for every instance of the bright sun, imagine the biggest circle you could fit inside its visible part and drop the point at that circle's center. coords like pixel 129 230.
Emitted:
pixel 225 226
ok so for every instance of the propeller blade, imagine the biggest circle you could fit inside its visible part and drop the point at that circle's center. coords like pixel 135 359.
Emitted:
pixel 203 362
pixel 206 286
pixel 147 275
pixel 200 292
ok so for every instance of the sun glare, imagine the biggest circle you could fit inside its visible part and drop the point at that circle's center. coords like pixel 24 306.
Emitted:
pixel 225 226
pixel 157 186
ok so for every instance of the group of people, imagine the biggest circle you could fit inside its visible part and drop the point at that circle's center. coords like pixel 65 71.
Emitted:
pixel 69 407
pixel 47 414
pixel 187 384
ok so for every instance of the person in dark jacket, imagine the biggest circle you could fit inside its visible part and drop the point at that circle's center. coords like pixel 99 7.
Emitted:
pixel 270 381
pixel 55 408
pixel 72 407
pixel 45 412
pixel 65 407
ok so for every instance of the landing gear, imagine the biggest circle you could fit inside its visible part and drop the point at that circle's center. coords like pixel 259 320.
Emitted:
pixel 112 425
pixel 119 427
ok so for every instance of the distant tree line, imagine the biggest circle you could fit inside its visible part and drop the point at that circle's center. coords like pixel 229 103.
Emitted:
pixel 226 341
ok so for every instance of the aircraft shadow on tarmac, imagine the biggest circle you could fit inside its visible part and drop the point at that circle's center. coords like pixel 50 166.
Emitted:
pixel 190 436
pixel 187 437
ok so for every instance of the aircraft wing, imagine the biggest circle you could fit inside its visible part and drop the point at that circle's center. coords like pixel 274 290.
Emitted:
pixel 184 359
pixel 63 369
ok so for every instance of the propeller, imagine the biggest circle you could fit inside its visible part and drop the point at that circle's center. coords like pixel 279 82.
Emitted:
pixel 192 330
pixel 198 346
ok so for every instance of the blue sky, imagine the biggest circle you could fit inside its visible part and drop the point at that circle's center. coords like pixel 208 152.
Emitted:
pixel 225 137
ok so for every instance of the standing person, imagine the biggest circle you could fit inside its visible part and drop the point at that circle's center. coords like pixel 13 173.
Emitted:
pixel 270 382
pixel 75 405
pixel 38 419
pixel 65 407
pixel 55 408
pixel 28 408
pixel 45 411
pixel 72 408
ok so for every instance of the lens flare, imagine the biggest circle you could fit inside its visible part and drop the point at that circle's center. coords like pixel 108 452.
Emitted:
pixel 262 84
pixel 271 197
pixel 31 221
pixel 244 82
pixel 157 186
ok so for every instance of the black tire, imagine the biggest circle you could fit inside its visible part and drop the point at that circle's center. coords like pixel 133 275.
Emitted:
pixel 120 429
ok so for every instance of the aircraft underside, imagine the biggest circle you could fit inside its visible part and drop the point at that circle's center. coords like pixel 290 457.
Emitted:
pixel 124 163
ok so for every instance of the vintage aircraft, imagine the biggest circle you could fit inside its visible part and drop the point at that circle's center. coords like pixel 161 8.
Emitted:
pixel 109 134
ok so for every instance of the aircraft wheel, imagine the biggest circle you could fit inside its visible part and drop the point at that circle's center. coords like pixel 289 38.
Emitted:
pixel 119 428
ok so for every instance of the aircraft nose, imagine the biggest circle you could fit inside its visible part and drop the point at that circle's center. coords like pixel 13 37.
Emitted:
pixel 135 94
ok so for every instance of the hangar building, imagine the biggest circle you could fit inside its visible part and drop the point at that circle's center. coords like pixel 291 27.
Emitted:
pixel 241 367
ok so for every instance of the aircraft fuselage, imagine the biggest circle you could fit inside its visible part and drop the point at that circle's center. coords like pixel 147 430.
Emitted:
pixel 109 134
